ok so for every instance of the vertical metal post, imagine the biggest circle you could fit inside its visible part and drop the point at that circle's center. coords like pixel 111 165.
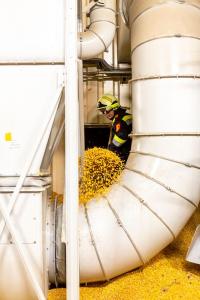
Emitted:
pixel 71 149
pixel 80 88
pixel 81 108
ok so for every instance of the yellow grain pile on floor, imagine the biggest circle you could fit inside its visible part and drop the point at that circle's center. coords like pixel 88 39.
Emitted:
pixel 100 168
pixel 166 277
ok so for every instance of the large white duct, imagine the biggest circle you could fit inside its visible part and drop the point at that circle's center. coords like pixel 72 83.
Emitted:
pixel 98 37
pixel 159 189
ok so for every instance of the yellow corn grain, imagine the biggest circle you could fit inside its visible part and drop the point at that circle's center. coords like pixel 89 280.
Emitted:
pixel 166 277
pixel 100 168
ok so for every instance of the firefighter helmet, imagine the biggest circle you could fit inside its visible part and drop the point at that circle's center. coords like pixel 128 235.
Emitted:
pixel 108 102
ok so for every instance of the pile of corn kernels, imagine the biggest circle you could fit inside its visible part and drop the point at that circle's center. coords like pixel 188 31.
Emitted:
pixel 100 168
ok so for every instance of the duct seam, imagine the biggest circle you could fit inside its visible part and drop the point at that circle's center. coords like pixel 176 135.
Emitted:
pixel 177 76
pixel 94 243
pixel 166 158
pixel 178 35
pixel 102 20
pixel 160 4
pixel 142 201
pixel 109 8
pixel 125 230
pixel 96 34
pixel 168 188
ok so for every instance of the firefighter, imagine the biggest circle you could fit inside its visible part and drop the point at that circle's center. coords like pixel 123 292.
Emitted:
pixel 121 125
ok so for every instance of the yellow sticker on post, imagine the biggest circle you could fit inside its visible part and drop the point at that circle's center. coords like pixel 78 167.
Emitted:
pixel 8 136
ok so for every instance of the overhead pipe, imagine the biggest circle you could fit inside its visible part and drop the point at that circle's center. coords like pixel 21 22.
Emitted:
pixel 97 38
pixel 160 186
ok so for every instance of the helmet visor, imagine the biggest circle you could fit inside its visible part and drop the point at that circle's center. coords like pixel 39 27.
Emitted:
pixel 103 108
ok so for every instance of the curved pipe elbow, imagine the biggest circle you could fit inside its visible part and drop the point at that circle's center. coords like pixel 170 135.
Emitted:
pixel 95 41
pixel 101 31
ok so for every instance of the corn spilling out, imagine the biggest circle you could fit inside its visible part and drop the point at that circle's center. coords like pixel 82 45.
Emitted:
pixel 167 277
pixel 100 168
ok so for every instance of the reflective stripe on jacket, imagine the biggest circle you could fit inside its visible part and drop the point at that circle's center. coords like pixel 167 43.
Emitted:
pixel 117 141
pixel 127 119
pixel 121 127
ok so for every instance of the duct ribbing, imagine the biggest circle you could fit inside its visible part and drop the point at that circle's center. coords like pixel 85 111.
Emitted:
pixel 164 164
pixel 98 37
pixel 159 189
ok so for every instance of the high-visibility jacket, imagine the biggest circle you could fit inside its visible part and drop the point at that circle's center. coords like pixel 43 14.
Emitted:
pixel 121 128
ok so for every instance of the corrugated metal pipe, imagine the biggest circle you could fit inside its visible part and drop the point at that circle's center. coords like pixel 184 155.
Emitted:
pixel 160 186
pixel 101 31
